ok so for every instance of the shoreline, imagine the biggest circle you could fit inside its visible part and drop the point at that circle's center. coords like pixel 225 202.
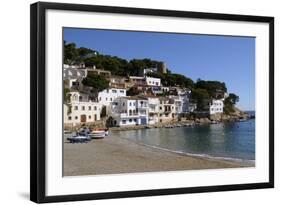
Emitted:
pixel 115 155
pixel 205 156
pixel 185 123
pixel 246 162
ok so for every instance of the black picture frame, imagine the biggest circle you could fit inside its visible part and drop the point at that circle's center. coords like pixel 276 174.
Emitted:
pixel 38 101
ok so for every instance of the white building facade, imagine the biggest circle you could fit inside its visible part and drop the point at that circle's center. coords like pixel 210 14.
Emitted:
pixel 153 110
pixel 150 81
pixel 167 110
pixel 79 110
pixel 216 106
pixel 129 111
pixel 107 96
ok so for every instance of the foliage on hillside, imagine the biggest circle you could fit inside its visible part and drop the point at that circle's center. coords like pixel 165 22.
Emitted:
pixel 116 65
pixel 230 102
pixel 201 97
pixel 97 82
pixel 212 87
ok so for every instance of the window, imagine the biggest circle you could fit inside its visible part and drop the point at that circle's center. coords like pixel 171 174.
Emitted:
pixel 123 104
pixel 135 120
pixel 69 118
pixel 123 121
pixel 75 107
pixel 95 107
pixel 130 104
pixel 130 120
pixel 76 117
pixel 134 104
pixel 160 108
pixel 100 98
pixel 121 91
pixel 110 99
pixel 89 116
pixel 83 107
pixel 89 108
pixel 114 91
pixel 106 99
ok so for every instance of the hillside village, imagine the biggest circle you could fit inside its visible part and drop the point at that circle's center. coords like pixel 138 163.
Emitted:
pixel 96 96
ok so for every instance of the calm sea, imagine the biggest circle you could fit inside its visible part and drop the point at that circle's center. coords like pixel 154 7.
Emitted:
pixel 232 141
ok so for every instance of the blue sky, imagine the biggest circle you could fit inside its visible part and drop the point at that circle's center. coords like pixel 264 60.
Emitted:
pixel 208 57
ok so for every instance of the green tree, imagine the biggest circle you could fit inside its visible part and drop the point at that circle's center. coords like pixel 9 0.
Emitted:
pixel 86 53
pixel 97 82
pixel 230 102
pixel 213 87
pixel 70 53
pixel 201 97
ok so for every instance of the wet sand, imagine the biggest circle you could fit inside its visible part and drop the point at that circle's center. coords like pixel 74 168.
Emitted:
pixel 115 155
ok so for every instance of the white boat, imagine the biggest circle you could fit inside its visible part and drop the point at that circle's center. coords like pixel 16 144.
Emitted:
pixel 78 139
pixel 98 134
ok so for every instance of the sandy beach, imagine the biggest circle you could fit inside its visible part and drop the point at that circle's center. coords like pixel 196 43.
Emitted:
pixel 113 155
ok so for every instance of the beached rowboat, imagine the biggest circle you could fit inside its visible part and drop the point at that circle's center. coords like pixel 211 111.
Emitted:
pixel 97 134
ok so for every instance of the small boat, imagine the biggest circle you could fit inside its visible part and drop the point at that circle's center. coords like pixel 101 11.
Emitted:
pixel 214 122
pixel 169 126
pixel 98 134
pixel 78 139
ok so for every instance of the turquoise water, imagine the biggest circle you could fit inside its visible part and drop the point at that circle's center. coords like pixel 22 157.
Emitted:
pixel 235 140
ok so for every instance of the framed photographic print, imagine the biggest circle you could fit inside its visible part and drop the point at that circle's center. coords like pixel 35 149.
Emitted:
pixel 129 102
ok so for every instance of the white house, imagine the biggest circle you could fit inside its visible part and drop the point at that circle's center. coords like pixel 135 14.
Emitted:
pixel 178 104
pixel 153 110
pixel 80 110
pixel 216 106
pixel 167 109
pixel 184 97
pixel 73 76
pixel 150 81
pixel 129 111
pixel 149 70
pixel 107 96
pixel 74 73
